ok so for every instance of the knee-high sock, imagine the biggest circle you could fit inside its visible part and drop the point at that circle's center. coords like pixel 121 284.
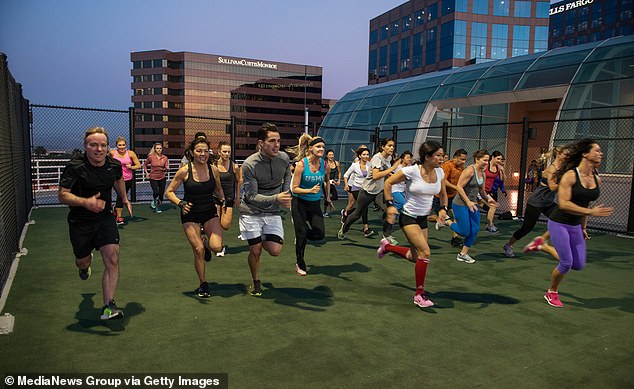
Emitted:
pixel 399 250
pixel 420 270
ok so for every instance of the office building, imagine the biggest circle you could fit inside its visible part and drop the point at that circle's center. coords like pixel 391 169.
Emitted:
pixel 574 22
pixel 176 94
pixel 422 36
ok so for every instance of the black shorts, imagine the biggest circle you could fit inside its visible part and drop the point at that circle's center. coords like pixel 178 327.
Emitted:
pixel 199 217
pixel 87 236
pixel 548 210
pixel 406 220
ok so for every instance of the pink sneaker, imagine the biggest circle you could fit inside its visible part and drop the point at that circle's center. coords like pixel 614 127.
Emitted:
pixel 380 252
pixel 552 298
pixel 422 301
pixel 120 221
pixel 534 245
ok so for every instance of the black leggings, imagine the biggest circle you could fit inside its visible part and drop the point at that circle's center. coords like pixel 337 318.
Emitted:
pixel 364 200
pixel 158 188
pixel 304 212
pixel 334 196
pixel 128 185
pixel 531 216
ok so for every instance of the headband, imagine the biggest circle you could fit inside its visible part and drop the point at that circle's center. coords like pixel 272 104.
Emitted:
pixel 317 140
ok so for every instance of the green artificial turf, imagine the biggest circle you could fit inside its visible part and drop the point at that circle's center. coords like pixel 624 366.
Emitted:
pixel 350 323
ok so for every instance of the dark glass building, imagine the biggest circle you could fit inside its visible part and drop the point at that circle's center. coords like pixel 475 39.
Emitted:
pixel 575 22
pixel 422 36
pixel 176 94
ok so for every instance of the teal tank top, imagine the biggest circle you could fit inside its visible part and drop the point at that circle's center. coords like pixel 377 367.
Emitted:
pixel 310 179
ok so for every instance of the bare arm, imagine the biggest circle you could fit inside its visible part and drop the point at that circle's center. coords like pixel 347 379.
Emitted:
pixel 176 182
pixel 564 199
pixel 135 160
pixel 297 179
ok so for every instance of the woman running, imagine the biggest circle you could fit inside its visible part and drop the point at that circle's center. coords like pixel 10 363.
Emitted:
pixel 159 165
pixel 542 200
pixel 398 195
pixel 381 167
pixel 465 206
pixel 129 162
pixel 352 183
pixel 334 170
pixel 579 185
pixel 306 185
pixel 494 170
pixel 230 180
pixel 424 180
pixel 200 181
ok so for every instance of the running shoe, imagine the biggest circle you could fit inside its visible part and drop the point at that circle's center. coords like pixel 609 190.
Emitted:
pixel 422 301
pixel 153 204
pixel 326 214
pixel 344 214
pixel 221 253
pixel 340 234
pixel 380 252
pixel 368 233
pixel 84 274
pixel 492 229
pixel 508 251
pixel 552 298
pixel 466 258
pixel 391 240
pixel 110 311
pixel 120 221
pixel 255 289
pixel 534 245
pixel 456 242
pixel 299 271
pixel 203 290
pixel 158 210
pixel 440 225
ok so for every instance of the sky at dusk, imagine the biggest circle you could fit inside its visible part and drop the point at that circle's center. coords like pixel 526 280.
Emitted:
pixel 77 52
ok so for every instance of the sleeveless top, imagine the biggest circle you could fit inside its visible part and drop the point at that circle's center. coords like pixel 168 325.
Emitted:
pixel 580 196
pixel 490 177
pixel 228 182
pixel 310 179
pixel 199 194
pixel 125 160
pixel 333 172
pixel 472 189
pixel 542 197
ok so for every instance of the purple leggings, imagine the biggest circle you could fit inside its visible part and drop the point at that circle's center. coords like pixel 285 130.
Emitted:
pixel 570 245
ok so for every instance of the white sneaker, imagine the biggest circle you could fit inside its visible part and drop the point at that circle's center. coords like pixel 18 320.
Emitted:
pixel 299 271
pixel 466 258
pixel 221 253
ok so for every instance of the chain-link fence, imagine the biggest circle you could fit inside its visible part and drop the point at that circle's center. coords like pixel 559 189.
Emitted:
pixel 15 178
pixel 523 144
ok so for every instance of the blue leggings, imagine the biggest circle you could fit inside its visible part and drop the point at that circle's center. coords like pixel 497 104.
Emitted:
pixel 467 223
pixel 570 245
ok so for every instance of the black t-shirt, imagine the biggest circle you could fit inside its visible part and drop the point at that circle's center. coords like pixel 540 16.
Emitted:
pixel 85 180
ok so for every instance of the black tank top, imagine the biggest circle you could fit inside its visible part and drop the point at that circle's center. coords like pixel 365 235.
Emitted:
pixel 199 194
pixel 228 182
pixel 333 172
pixel 580 196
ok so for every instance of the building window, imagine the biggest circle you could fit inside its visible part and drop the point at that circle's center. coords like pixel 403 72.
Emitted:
pixel 462 6
pixel 430 46
pixel 419 17
pixel 501 7
pixel 522 9
pixel 384 32
pixel 405 58
pixel 157 63
pixel 417 51
pixel 432 13
pixel 407 23
pixel 481 7
pixel 478 40
pixel 147 63
pixel 374 36
pixel 448 7
pixel 521 40
pixel 542 10
pixel 372 70
pixel 582 26
pixel 570 29
pixel 541 39
pixel 393 57
pixel 394 30
pixel 383 61
pixel 499 41
pixel 460 39
pixel 446 40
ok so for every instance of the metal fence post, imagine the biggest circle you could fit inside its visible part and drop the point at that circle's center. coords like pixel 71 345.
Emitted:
pixel 377 139
pixel 630 217
pixel 523 156
pixel 395 135
pixel 131 136
pixel 445 136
